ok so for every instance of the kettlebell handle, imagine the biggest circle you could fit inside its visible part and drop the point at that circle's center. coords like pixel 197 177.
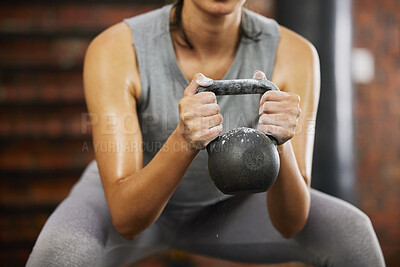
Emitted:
pixel 238 87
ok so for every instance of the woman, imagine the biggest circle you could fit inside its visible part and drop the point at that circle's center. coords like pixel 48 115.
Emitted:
pixel 155 192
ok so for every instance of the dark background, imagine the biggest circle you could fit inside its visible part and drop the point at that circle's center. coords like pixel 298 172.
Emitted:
pixel 42 152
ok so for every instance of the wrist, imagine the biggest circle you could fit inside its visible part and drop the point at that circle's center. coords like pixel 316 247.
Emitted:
pixel 284 147
pixel 181 145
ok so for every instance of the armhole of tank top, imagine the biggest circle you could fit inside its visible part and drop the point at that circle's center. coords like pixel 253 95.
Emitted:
pixel 141 102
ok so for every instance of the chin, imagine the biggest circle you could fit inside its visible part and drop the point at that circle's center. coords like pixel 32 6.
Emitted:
pixel 219 7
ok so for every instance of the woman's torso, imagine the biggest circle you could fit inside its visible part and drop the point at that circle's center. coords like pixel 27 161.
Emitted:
pixel 163 84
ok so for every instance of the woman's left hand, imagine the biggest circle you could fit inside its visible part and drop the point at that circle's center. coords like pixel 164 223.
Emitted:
pixel 279 112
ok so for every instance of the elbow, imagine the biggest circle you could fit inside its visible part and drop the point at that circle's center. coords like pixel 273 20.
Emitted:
pixel 294 226
pixel 292 231
pixel 130 226
pixel 128 236
pixel 124 229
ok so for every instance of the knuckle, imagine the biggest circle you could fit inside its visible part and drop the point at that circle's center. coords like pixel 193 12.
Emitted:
pixel 213 98
pixel 287 95
pixel 186 116
pixel 195 138
pixel 192 126
pixel 296 98
pixel 287 133
pixel 267 108
pixel 209 95
pixel 264 107
pixel 213 109
pixel 181 103
pixel 202 133
pixel 292 120
pixel 217 109
pixel 298 111
pixel 196 76
pixel 219 118
pixel 219 129
pixel 294 111
pixel 264 128
pixel 264 97
pixel 270 95
pixel 263 119
pixel 203 125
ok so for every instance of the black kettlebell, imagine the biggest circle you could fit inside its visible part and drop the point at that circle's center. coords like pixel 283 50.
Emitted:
pixel 243 160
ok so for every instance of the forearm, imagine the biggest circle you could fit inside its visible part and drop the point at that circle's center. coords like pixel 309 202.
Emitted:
pixel 288 199
pixel 138 200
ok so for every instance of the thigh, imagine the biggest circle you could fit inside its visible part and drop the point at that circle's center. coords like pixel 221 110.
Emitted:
pixel 80 231
pixel 239 229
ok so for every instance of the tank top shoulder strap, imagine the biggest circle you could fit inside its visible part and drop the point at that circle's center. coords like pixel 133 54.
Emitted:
pixel 148 31
pixel 265 33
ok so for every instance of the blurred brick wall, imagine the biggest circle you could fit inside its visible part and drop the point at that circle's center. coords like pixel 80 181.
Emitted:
pixel 41 104
pixel 377 108
pixel 42 47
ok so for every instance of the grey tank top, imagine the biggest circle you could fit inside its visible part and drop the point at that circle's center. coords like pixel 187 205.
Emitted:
pixel 163 85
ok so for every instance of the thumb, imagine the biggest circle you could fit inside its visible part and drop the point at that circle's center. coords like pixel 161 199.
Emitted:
pixel 259 75
pixel 198 79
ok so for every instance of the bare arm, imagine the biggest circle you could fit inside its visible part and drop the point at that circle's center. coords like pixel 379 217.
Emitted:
pixel 296 73
pixel 135 195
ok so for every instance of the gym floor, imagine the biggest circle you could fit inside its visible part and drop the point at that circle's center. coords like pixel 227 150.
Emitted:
pixel 45 148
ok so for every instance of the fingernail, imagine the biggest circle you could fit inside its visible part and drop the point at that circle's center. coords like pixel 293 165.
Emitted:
pixel 259 75
pixel 203 80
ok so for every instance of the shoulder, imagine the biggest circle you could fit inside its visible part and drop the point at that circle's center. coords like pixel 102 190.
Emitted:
pixel 111 41
pixel 296 45
pixel 110 57
pixel 297 59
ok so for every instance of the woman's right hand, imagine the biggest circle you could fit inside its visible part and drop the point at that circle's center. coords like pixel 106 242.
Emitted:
pixel 199 119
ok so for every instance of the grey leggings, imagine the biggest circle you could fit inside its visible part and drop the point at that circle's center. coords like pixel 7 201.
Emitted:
pixel 80 232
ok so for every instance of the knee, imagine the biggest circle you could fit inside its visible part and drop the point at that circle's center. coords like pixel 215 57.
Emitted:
pixel 340 234
pixel 337 217
pixel 355 222
pixel 55 248
pixel 357 242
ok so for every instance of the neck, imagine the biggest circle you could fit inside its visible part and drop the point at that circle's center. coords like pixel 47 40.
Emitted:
pixel 211 34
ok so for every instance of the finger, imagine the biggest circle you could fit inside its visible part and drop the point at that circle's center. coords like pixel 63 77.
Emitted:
pixel 200 105
pixel 208 109
pixel 211 121
pixel 282 120
pixel 271 107
pixel 259 75
pixel 198 79
pixel 275 131
pixel 213 133
pixel 205 98
pixel 192 87
pixel 273 95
